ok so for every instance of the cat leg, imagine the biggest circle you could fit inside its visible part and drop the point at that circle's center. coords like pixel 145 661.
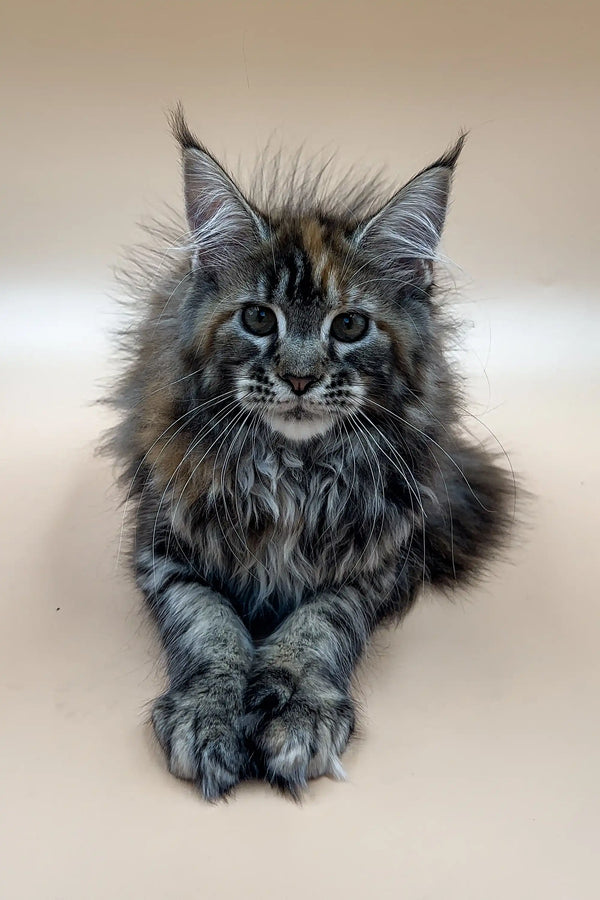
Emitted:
pixel 300 713
pixel 209 654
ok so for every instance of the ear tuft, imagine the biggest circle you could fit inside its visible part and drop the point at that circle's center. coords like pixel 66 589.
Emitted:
pixel 180 129
pixel 224 226
pixel 450 157
pixel 409 226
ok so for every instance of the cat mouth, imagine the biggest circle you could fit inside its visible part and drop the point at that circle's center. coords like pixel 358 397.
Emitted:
pixel 299 419
pixel 298 409
pixel 299 414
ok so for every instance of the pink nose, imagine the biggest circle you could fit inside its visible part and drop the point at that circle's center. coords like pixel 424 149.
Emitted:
pixel 299 384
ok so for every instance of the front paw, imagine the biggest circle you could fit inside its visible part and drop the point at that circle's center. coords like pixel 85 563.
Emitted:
pixel 201 739
pixel 298 727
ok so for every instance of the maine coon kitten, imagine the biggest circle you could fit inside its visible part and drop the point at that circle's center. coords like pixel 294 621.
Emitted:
pixel 290 430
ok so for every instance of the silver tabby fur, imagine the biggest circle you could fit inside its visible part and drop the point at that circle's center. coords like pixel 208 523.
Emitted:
pixel 291 490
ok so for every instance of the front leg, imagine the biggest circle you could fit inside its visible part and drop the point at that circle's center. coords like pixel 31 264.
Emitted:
pixel 209 654
pixel 300 713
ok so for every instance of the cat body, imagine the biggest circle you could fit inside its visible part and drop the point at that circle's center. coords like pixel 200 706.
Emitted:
pixel 290 437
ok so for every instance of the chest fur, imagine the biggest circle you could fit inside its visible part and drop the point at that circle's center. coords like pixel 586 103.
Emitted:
pixel 278 526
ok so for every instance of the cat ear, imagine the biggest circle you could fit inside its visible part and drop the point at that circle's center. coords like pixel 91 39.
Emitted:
pixel 223 224
pixel 409 226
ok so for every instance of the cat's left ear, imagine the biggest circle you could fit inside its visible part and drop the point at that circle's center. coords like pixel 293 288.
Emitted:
pixel 409 226
pixel 223 224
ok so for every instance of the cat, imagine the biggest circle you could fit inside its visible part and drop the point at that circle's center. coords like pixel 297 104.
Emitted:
pixel 290 430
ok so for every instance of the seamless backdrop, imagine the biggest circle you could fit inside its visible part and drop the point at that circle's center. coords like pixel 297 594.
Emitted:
pixel 476 772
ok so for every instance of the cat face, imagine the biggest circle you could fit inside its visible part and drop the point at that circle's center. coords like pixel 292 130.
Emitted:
pixel 302 341
pixel 307 317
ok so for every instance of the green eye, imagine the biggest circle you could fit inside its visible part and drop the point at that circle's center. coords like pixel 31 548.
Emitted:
pixel 349 327
pixel 259 320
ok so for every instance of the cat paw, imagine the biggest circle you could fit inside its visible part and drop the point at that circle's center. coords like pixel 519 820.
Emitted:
pixel 297 728
pixel 201 743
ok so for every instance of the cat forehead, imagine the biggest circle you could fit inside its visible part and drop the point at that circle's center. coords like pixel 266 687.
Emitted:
pixel 306 267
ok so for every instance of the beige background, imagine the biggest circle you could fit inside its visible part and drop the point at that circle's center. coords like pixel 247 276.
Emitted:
pixel 477 771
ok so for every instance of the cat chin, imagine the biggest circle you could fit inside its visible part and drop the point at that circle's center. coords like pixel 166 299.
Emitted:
pixel 300 429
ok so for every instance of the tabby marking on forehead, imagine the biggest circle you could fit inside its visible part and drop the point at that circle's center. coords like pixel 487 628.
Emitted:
pixel 324 259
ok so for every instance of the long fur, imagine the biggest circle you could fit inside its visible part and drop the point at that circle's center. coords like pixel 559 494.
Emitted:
pixel 272 533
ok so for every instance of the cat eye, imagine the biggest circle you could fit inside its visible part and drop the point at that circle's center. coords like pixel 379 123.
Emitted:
pixel 349 327
pixel 259 320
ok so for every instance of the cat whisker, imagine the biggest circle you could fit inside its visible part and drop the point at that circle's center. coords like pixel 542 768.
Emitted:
pixel 417 496
pixel 210 425
pixel 224 497
pixel 186 416
pixel 435 443
pixel 378 487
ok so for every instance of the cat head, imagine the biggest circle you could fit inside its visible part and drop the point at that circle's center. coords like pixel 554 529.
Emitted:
pixel 305 314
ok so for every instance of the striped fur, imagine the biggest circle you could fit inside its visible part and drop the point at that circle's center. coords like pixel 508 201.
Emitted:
pixel 274 530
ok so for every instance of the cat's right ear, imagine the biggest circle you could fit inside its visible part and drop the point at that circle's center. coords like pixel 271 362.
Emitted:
pixel 406 231
pixel 223 224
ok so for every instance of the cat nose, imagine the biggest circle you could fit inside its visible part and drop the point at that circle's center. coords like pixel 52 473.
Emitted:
pixel 299 383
